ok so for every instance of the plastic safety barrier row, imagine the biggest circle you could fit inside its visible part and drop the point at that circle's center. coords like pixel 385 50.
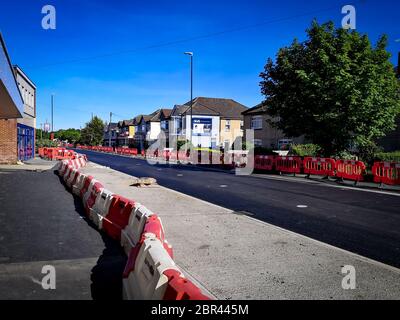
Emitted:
pixel 350 170
pixel 386 173
pixel 150 272
pixel 320 166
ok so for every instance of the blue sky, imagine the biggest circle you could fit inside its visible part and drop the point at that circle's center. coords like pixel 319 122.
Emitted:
pixel 127 56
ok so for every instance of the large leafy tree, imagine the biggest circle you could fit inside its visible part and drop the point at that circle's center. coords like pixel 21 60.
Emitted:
pixel 335 88
pixel 92 134
pixel 70 135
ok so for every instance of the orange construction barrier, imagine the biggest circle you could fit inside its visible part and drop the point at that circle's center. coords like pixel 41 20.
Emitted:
pixel 288 164
pixel 350 170
pixel 319 166
pixel 264 163
pixel 386 173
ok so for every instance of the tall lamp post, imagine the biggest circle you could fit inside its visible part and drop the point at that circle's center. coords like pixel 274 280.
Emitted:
pixel 191 93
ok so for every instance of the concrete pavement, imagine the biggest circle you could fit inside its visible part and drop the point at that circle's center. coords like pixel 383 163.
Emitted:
pixel 238 257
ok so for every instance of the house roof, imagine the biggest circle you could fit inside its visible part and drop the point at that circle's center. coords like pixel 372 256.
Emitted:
pixel 137 119
pixel 225 108
pixel 157 115
pixel 166 113
pixel 126 123
pixel 111 125
pixel 260 108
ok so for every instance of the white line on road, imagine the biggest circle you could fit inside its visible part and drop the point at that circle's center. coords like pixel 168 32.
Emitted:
pixel 342 188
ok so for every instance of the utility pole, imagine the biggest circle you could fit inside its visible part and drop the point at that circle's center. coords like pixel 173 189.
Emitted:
pixel 109 131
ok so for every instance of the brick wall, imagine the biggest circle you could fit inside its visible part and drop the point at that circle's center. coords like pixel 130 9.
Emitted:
pixel 8 141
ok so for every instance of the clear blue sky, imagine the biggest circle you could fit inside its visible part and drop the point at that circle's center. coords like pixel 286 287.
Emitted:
pixel 109 55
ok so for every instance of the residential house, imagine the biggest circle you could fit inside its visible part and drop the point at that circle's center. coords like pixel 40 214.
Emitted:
pixel 149 127
pixel 110 135
pixel 126 133
pixel 265 135
pixel 216 122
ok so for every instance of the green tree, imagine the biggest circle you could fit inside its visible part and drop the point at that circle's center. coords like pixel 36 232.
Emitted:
pixel 71 135
pixel 92 134
pixel 335 88
pixel 41 134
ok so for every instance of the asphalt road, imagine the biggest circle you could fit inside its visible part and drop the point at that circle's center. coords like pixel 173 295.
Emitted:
pixel 366 223
pixel 41 223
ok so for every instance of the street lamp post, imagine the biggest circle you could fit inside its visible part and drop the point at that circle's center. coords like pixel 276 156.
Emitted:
pixel 109 130
pixel 191 93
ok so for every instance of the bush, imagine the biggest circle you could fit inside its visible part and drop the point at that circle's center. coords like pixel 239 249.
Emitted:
pixel 46 143
pixel 305 150
pixel 388 156
pixel 181 143
pixel 367 152
pixel 345 155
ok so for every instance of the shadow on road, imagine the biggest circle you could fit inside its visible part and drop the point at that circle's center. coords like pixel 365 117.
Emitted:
pixel 106 275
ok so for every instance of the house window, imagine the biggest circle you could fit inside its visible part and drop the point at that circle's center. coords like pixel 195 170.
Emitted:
pixel 241 125
pixel 257 142
pixel 228 125
pixel 164 125
pixel 256 123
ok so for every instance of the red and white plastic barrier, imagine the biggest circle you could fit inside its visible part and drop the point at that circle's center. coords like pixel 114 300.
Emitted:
pixel 101 207
pixel 144 277
pixel 118 216
pixel 150 272
pixel 79 183
pixel 131 234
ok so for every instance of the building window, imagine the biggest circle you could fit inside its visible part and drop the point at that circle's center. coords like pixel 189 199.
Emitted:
pixel 241 125
pixel 256 122
pixel 257 142
pixel 227 125
pixel 164 125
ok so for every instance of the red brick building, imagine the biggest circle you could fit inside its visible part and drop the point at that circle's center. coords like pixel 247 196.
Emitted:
pixel 11 108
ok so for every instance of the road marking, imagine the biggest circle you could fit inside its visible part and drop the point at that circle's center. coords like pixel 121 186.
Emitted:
pixel 318 183
pixel 302 206
pixel 179 175
pixel 223 186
